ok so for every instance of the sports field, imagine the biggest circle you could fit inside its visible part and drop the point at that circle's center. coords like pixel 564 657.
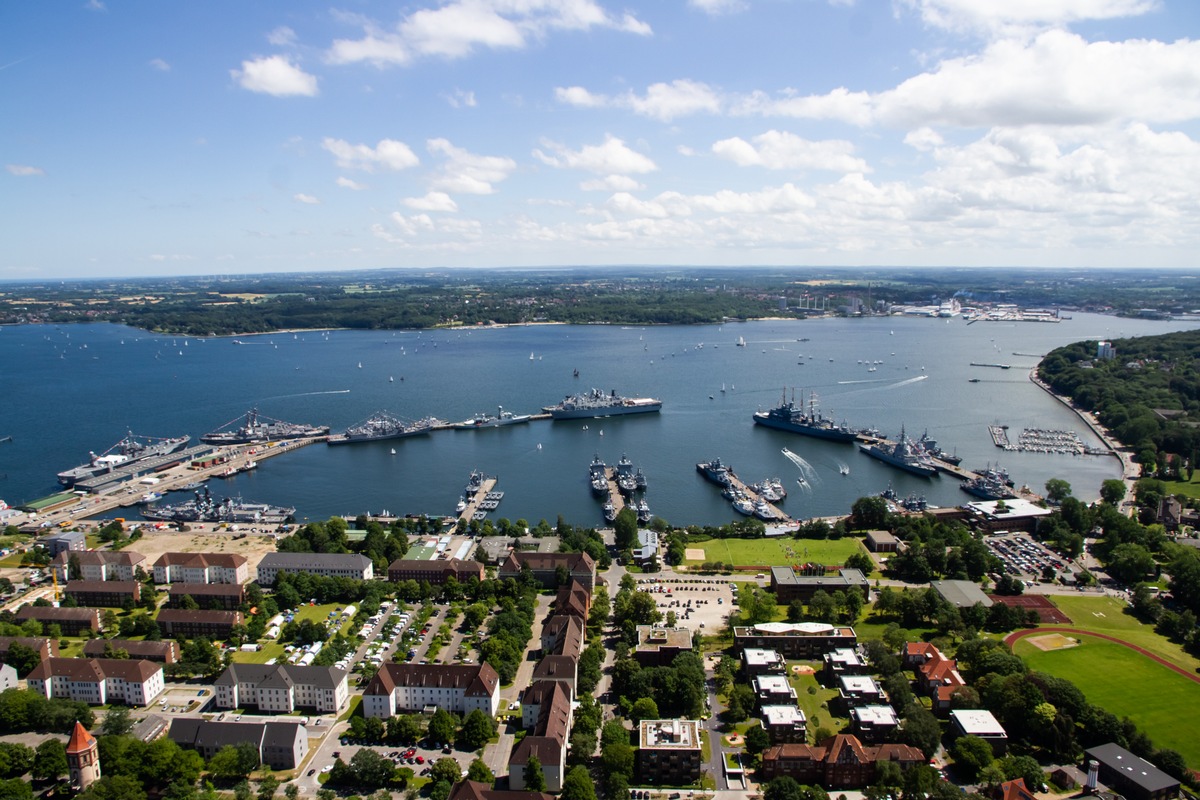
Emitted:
pixel 1104 614
pixel 775 552
pixel 1127 684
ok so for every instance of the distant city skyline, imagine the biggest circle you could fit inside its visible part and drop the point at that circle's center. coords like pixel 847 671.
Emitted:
pixel 225 138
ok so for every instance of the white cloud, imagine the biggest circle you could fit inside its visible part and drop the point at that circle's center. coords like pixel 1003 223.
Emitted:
pixel 784 150
pixel 159 64
pixel 923 139
pixel 1010 16
pixel 283 36
pixel 467 173
pixel 611 183
pixel 275 75
pixel 24 170
pixel 306 198
pixel 662 101
pixel 458 28
pixel 612 157
pixel 388 154
pixel 461 99
pixel 715 7
pixel 347 183
pixel 840 104
pixel 95 5
pixel 433 201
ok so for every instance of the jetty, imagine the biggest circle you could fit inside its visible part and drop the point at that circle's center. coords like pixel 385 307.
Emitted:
pixel 997 366
pixel 614 491
pixel 484 496
pixel 1000 436
pixel 738 484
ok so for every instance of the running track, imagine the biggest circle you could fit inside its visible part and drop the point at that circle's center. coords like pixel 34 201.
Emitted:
pixel 1011 639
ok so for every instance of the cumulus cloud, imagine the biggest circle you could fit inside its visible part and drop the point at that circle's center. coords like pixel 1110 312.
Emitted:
pixel 459 28
pixel 306 198
pixel 283 36
pixel 347 183
pixel 611 183
pixel 24 170
pixel 715 7
pixel 159 64
pixel 389 154
pixel 661 101
pixel 461 99
pixel 467 173
pixel 433 201
pixel 784 150
pixel 1012 16
pixel 275 75
pixel 611 158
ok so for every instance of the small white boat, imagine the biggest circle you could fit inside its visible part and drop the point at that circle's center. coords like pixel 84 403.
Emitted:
pixel 531 356
pixel 360 365
pixel 393 451
pixel 391 379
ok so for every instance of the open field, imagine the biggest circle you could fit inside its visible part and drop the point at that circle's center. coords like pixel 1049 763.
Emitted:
pixel 774 552
pixel 154 543
pixel 816 705
pixel 1109 615
pixel 1126 684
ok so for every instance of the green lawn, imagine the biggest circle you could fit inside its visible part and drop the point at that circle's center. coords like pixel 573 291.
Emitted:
pixel 1186 488
pixel 1109 615
pixel 776 552
pixel 320 613
pixel 268 652
pixel 1129 685
pixel 816 705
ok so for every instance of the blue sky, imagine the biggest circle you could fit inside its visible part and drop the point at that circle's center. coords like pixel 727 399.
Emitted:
pixel 213 137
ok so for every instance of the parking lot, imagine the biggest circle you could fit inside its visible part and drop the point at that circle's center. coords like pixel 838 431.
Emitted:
pixel 698 603
pixel 1026 558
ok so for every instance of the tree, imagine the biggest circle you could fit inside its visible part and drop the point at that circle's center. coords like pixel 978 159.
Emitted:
pixel 113 787
pixel 480 772
pixel 643 708
pixel 1112 491
pixel 440 790
pixel 921 730
pixel 234 761
pixel 1130 563
pixel 372 769
pixel 50 760
pixel 757 740
pixel 446 769
pixel 21 658
pixel 291 791
pixel 535 781
pixel 868 513
pixel 476 730
pixel 267 787
pixel 117 722
pixel 578 785
pixel 15 759
pixel 625 529
pixel 972 754
pixel 783 788
pixel 1057 490
pixel 15 789
pixel 442 726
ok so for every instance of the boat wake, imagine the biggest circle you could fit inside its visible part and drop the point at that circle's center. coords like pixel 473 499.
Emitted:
pixel 306 394
pixel 917 379
pixel 807 473
pixel 869 380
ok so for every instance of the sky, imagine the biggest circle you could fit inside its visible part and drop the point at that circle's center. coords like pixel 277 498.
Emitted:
pixel 218 137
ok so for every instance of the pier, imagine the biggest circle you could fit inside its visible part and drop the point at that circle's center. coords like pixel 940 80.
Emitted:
pixel 739 485
pixel 614 491
pixel 476 501
pixel 999 436
pixel 997 366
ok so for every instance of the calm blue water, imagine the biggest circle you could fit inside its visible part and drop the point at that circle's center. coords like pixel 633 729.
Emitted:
pixel 77 388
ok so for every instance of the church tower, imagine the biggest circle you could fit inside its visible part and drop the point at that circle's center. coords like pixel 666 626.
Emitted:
pixel 83 758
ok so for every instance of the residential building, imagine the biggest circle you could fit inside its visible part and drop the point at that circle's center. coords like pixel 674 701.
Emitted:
pixel 8 677
pixel 473 790
pixel 668 751
pixel 71 621
pixel 150 728
pixel 562 635
pixel 937 675
pixel 459 688
pixel 574 599
pixel 558 668
pixel 845 661
pixel 67 540
pixel 784 724
pixel 873 723
pixel 803 641
pixel 329 565
pixel 227 596
pixel 435 573
pixel 773 690
pixel 164 652
pixel 859 690
pixel 1135 778
pixel 213 624
pixel 547 737
pixel 280 745
pixel 98 681
pixel 789 585
pixel 98 565
pixel 44 647
pixel 977 722
pixel 83 758
pixel 757 661
pixel 282 688
pixel 1013 790
pixel 106 594
pixel 201 568
pixel 657 646
pixel 544 567
pixel 840 762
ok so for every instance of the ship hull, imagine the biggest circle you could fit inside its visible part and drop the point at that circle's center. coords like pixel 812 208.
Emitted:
pixel 223 439
pixel 341 438
pixel 830 434
pixel 83 472
pixel 923 470
pixel 472 425
pixel 603 411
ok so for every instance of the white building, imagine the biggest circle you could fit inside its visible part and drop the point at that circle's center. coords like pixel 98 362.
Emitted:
pixel 329 565
pixel 98 681
pixel 459 688
pixel 201 568
pixel 281 688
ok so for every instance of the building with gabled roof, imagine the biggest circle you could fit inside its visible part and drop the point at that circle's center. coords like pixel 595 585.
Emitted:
pixel 98 681
pixel 547 738
pixel 83 758
pixel 71 621
pixel 474 790
pixel 106 594
pixel 937 676
pixel 574 599
pixel 329 565
pixel 43 646
pixel 189 623
pixel 282 688
pixel 435 573
pixel 839 762
pixel 458 688
pixel 98 565
pixel 562 635
pixel 280 745
pixel 544 566
pixel 558 668
pixel 164 652
pixel 226 596
pixel 201 568
pixel 1135 778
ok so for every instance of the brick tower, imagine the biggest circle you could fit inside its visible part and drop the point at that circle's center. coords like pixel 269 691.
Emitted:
pixel 83 758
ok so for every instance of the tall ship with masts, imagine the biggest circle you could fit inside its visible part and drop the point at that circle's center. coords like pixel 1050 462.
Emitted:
pixel 253 427
pixel 788 416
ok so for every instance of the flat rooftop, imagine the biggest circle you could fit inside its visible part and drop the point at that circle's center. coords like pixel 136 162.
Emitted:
pixel 782 715
pixel 875 715
pixel 677 734
pixel 756 657
pixel 977 722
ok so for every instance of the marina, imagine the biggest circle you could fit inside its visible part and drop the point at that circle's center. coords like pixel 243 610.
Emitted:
pixel 479 497
pixel 740 494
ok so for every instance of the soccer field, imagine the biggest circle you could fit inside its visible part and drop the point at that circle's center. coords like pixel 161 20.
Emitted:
pixel 1127 684
pixel 776 552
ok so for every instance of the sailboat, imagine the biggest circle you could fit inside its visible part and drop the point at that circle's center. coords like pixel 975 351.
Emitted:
pixel 391 379
pixel 722 388
pixel 360 365
pixel 531 356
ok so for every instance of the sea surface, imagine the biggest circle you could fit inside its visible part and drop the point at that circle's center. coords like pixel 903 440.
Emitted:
pixel 72 389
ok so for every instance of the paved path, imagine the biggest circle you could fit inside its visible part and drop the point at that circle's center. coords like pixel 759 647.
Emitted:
pixel 1013 637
